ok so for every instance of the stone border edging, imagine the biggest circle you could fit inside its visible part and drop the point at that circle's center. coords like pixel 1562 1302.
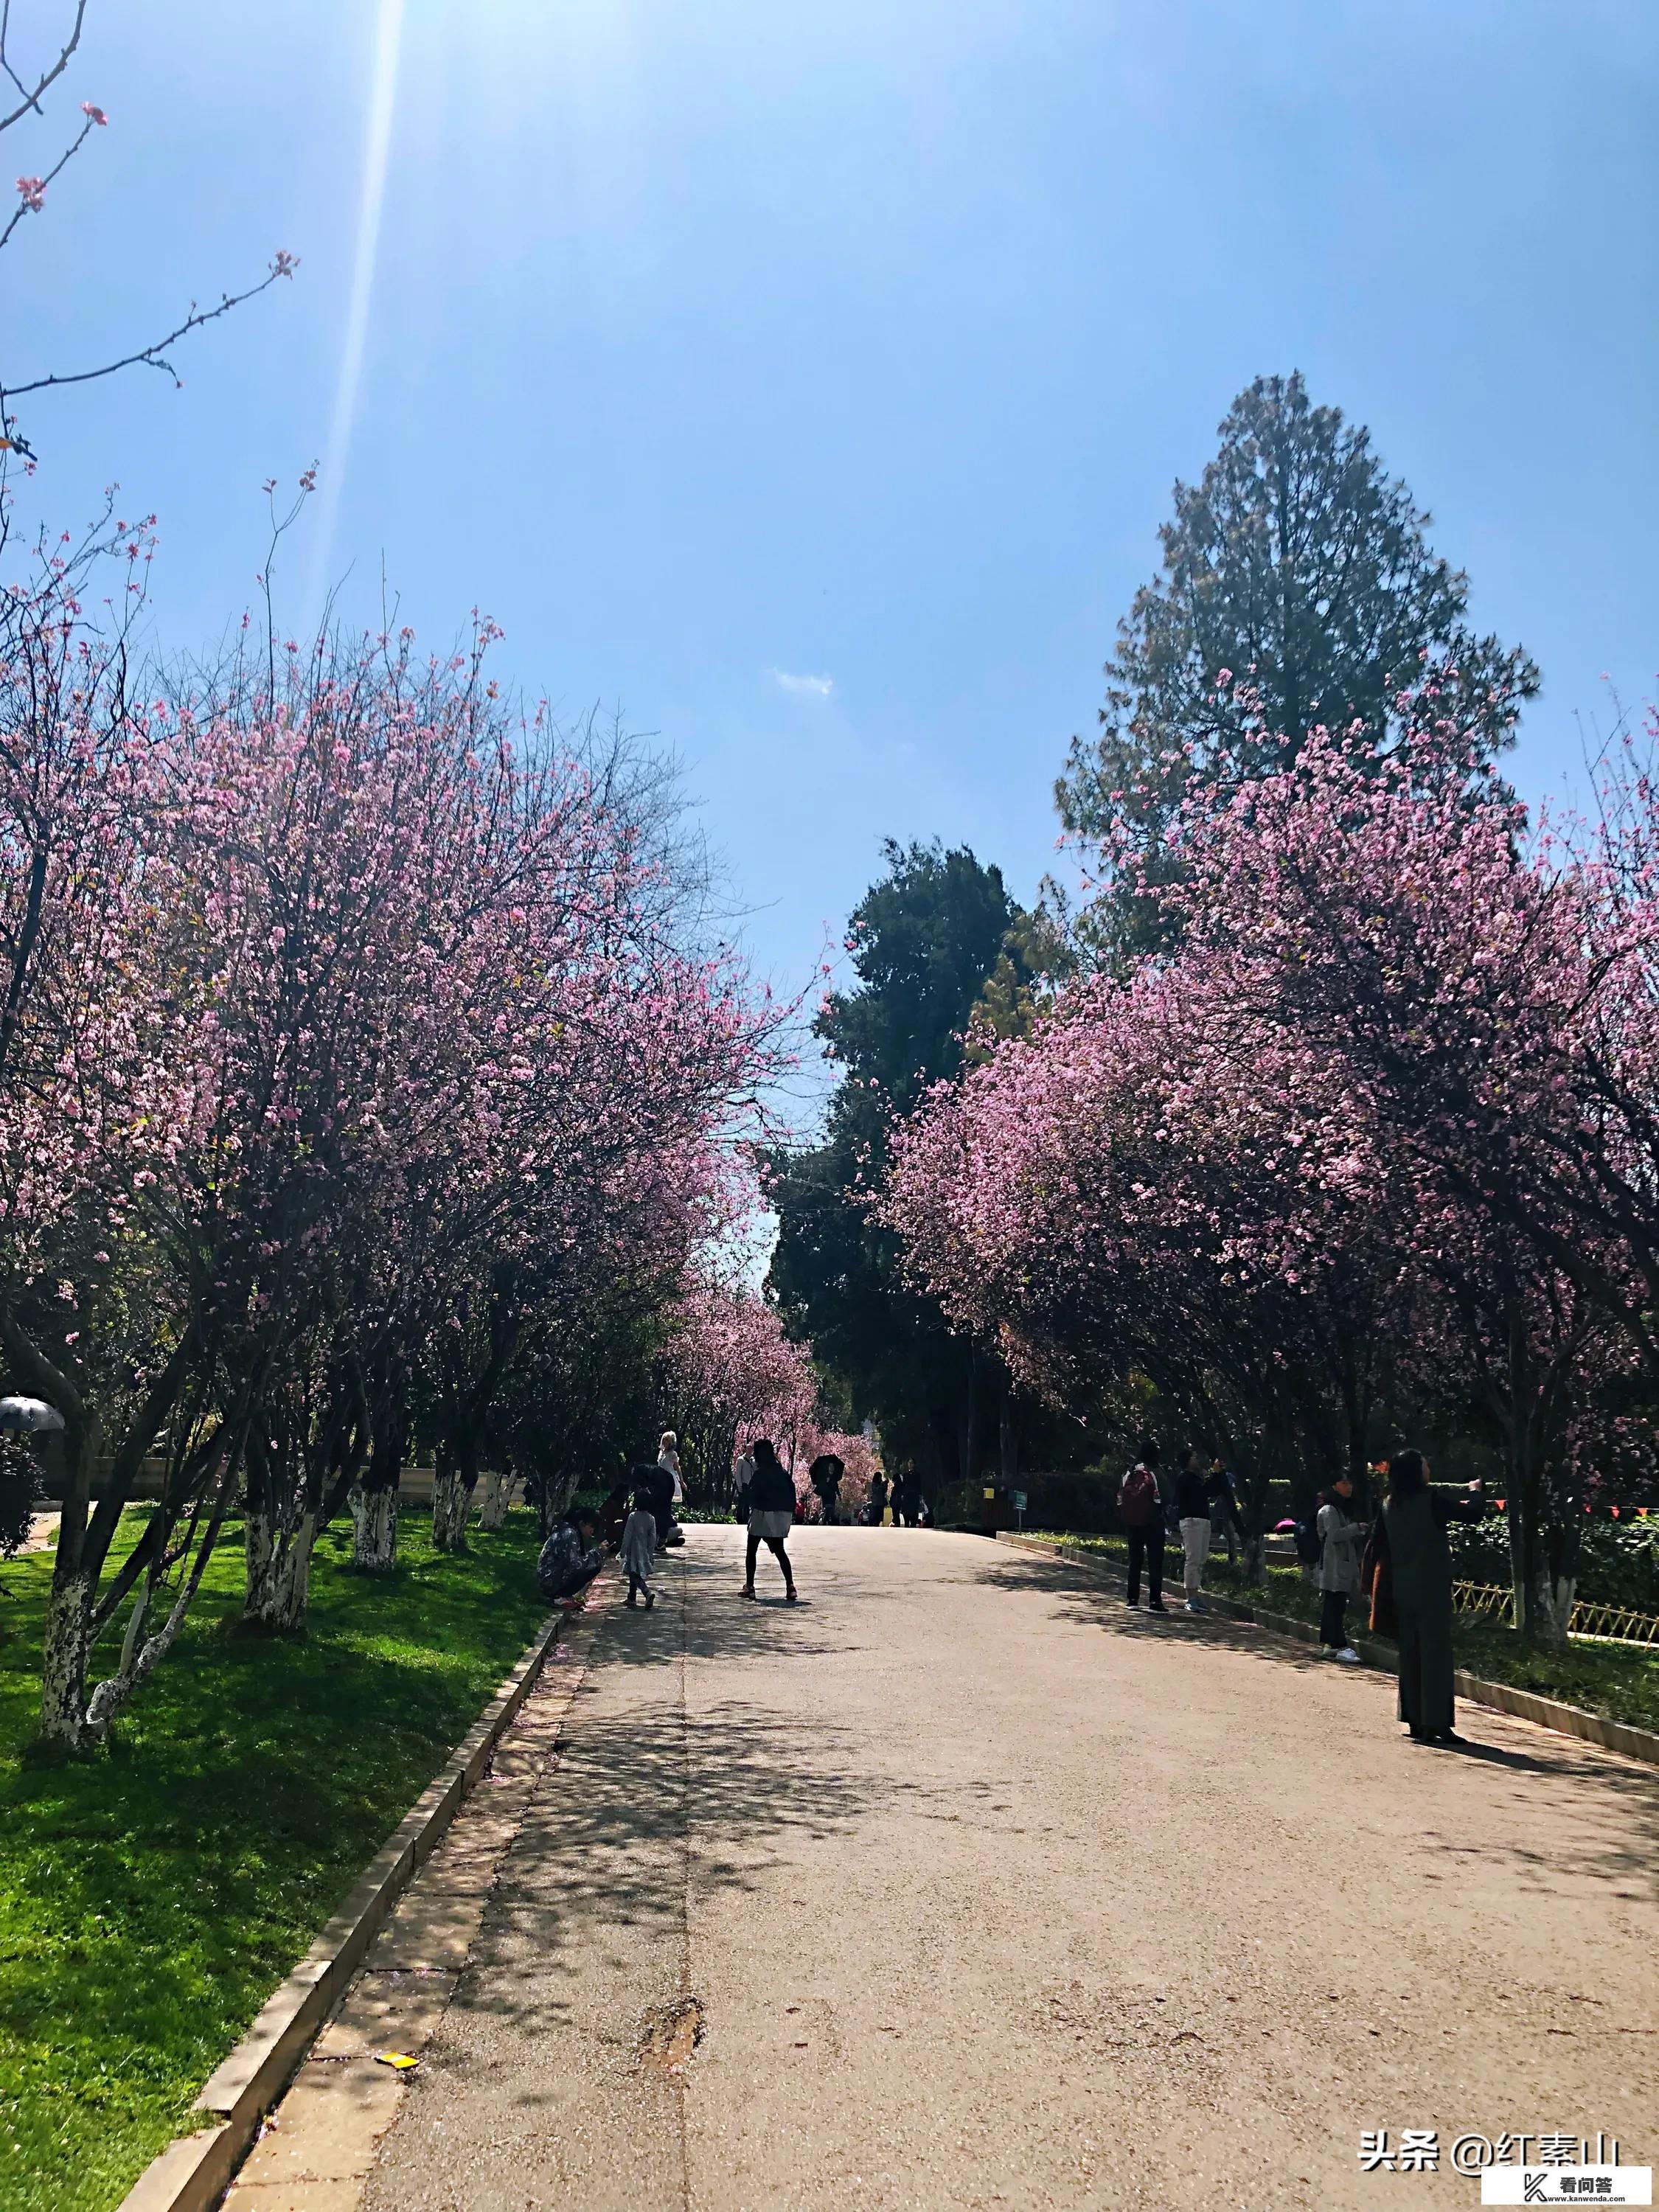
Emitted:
pixel 1522 1704
pixel 193 2173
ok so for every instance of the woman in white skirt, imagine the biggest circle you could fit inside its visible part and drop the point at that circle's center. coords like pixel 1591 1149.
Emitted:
pixel 771 1516
pixel 668 1458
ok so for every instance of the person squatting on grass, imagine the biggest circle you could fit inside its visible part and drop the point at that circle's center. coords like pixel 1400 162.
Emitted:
pixel 639 1551
pixel 771 1516
pixel 569 1559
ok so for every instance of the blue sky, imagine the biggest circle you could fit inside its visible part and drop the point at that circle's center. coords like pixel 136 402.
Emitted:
pixel 808 381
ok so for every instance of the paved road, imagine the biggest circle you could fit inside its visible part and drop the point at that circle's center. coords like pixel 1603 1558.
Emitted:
pixel 986 1892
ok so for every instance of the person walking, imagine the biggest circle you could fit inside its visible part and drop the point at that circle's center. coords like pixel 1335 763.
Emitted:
pixel 771 1516
pixel 742 1473
pixel 1341 1538
pixel 569 1559
pixel 1141 1510
pixel 1192 1513
pixel 1224 1516
pixel 639 1551
pixel 878 1499
pixel 1411 1535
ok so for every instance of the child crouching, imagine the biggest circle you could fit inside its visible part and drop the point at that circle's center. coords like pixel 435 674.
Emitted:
pixel 639 1549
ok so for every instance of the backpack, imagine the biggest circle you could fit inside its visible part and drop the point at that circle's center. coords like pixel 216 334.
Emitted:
pixel 1309 1544
pixel 1138 1503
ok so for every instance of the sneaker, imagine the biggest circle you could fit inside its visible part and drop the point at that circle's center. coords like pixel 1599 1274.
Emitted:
pixel 650 1599
pixel 1155 1604
pixel 1194 1606
pixel 1348 1656
pixel 749 1590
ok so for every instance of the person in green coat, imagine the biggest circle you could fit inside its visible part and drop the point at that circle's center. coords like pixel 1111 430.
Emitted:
pixel 1413 1533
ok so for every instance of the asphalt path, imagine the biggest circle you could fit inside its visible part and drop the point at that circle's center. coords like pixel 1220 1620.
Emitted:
pixel 959 1884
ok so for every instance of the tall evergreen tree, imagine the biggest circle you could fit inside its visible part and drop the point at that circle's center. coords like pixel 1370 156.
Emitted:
pixel 1298 588
pixel 923 940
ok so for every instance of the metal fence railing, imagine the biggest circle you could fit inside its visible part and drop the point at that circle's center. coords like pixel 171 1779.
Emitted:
pixel 1621 1623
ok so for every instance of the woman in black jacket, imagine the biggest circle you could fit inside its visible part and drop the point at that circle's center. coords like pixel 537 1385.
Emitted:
pixel 771 1516
pixel 1411 1533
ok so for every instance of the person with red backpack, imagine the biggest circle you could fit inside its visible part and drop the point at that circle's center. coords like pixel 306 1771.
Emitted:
pixel 1141 1511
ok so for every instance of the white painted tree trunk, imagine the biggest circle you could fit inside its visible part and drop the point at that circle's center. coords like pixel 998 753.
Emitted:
pixel 451 1504
pixel 278 1572
pixel 498 1496
pixel 1536 1615
pixel 374 1518
pixel 64 1666
pixel 137 1659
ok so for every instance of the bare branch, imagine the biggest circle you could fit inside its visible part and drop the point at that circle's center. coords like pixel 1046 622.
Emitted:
pixel 31 101
pixel 149 356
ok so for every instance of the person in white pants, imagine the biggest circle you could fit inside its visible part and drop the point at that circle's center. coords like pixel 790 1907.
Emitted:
pixel 1192 1506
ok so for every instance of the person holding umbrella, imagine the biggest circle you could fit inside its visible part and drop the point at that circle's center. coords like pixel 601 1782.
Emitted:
pixel 824 1475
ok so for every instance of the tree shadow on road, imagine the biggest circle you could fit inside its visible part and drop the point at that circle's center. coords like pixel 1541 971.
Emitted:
pixel 699 1609
pixel 1597 1792
pixel 645 1801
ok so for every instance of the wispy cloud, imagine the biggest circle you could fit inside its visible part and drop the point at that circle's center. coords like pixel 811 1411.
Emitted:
pixel 803 687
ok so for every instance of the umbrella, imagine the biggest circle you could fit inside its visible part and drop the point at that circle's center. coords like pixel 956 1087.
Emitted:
pixel 26 1414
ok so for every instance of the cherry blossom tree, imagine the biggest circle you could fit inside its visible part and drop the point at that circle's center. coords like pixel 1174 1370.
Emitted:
pixel 345 1049
pixel 730 1374
pixel 102 1094
pixel 1371 1140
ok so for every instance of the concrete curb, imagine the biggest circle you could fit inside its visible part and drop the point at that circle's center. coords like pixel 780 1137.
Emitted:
pixel 194 2171
pixel 1523 1704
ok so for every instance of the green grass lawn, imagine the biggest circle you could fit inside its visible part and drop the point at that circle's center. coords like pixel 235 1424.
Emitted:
pixel 1621 1683
pixel 151 1898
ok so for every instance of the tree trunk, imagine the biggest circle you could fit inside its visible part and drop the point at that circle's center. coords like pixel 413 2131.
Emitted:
pixel 373 1498
pixel 67 1653
pixel 969 1431
pixel 1536 1618
pixel 1255 1488
pixel 64 1664
pixel 1008 1437
pixel 139 1658
pixel 279 1571
pixel 452 1501
pixel 375 1524
pixel 497 1497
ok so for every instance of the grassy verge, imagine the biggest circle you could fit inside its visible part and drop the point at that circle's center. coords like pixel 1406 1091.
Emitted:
pixel 1622 1683
pixel 150 1899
